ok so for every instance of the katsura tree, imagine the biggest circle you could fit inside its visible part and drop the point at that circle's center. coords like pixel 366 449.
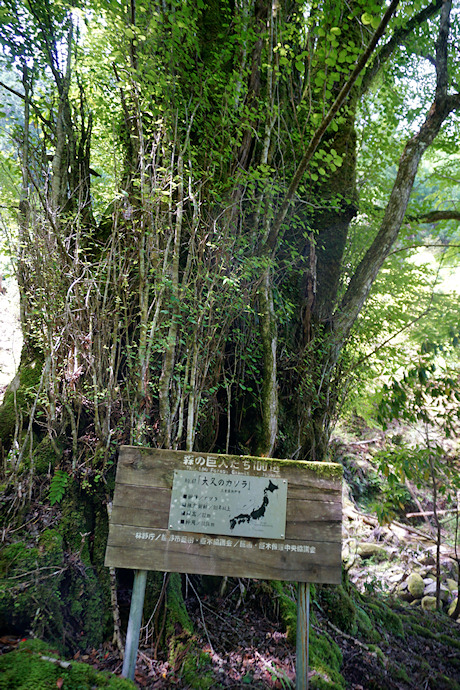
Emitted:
pixel 199 294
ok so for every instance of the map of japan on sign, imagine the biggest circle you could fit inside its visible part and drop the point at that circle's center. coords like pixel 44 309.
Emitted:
pixel 229 504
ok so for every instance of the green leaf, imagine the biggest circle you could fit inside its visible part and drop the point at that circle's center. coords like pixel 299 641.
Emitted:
pixel 58 486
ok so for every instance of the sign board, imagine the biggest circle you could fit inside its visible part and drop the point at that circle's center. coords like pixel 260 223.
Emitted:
pixel 229 515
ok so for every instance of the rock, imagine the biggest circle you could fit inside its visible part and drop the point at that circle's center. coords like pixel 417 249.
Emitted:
pixel 452 585
pixel 429 603
pixel 415 585
pixel 451 608
pixel 430 590
pixel 367 550
pixel 427 559
pixel 403 592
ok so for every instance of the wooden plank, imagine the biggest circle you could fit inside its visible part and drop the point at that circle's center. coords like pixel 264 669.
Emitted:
pixel 295 529
pixel 144 508
pixel 146 498
pixel 241 558
pixel 155 467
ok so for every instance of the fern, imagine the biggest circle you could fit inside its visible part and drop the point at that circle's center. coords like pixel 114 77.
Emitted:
pixel 58 486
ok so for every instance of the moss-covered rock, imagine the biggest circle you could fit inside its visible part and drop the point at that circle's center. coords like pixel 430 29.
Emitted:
pixel 452 607
pixel 18 400
pixel 415 585
pixel 369 550
pixel 428 603
pixel 36 666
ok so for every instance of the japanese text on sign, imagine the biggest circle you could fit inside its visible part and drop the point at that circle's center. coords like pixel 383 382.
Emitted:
pixel 230 504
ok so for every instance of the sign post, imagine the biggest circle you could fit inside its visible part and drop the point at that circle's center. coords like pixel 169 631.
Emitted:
pixel 134 624
pixel 238 516
pixel 303 635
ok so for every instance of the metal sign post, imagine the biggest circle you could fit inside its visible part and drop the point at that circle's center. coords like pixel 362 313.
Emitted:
pixel 134 624
pixel 303 635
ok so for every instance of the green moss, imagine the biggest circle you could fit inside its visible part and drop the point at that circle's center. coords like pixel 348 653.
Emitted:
pixel 365 627
pixel 423 632
pixel 326 660
pixel 196 672
pixel 50 586
pixel 327 470
pixel 339 607
pixel 19 397
pixel 288 610
pixel 27 669
pixel 30 580
pixel 378 652
pixel 384 616
pixel 45 457
pixel 398 673
pixel 325 655
pixel 446 639
pixel 177 613
pixel 51 543
pixel 441 682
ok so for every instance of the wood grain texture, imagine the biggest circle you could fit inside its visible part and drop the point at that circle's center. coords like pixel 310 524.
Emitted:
pixel 139 536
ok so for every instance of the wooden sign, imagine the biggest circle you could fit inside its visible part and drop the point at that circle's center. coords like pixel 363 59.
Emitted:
pixel 229 515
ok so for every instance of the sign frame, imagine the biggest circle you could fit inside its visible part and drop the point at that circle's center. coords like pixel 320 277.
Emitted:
pixel 140 537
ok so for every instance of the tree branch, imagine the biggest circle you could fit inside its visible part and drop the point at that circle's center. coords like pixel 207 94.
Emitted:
pixel 366 272
pixel 436 216
pixel 33 106
pixel 272 239
pixel 399 38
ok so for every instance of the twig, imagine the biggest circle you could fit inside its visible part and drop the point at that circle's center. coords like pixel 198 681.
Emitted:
pixel 202 614
pixel 347 637
pixel 58 662
pixel 33 572
pixel 364 443
pixel 431 512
